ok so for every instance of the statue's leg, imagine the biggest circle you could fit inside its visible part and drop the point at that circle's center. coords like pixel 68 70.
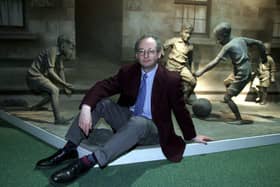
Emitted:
pixel 46 99
pixel 228 81
pixel 54 95
pixel 241 78
pixel 263 97
pixel 188 91
pixel 238 120
pixel 37 85
pixel 233 107
pixel 189 83
pixel 259 95
pixel 46 86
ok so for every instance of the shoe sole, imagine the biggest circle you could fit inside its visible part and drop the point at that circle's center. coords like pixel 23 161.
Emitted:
pixel 53 166
pixel 67 183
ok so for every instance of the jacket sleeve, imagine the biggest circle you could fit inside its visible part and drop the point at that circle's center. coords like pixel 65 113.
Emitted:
pixel 101 90
pixel 181 113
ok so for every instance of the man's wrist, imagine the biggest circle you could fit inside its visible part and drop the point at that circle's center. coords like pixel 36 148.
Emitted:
pixel 86 107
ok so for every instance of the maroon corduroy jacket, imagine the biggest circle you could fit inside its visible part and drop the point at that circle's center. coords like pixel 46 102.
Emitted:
pixel 167 96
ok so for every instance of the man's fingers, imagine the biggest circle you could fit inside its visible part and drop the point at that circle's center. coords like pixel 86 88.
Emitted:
pixel 86 127
pixel 203 139
pixel 83 126
pixel 86 130
pixel 203 142
pixel 208 138
pixel 85 121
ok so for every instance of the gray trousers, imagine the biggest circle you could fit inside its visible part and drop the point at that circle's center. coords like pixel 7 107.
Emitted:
pixel 129 131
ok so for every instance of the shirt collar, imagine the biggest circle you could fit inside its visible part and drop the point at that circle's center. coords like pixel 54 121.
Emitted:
pixel 150 73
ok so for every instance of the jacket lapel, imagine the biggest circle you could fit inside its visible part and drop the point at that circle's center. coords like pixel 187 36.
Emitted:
pixel 157 89
pixel 135 80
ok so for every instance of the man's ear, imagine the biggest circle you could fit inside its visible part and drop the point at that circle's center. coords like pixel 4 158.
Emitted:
pixel 161 53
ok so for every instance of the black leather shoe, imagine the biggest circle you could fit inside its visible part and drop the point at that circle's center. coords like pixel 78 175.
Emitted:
pixel 70 172
pixel 57 158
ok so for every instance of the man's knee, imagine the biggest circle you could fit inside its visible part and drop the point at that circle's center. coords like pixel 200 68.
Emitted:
pixel 140 125
pixel 104 103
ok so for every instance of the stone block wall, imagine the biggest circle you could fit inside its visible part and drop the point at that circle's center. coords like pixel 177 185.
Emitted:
pixel 252 18
pixel 44 21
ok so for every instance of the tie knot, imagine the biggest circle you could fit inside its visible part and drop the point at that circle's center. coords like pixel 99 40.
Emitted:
pixel 145 76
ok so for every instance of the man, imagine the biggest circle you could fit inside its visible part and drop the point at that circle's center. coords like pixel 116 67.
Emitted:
pixel 236 49
pixel 148 93
pixel 180 60
pixel 46 73
pixel 265 76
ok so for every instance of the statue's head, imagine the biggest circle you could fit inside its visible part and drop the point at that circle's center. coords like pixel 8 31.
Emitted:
pixel 267 48
pixel 222 32
pixel 186 31
pixel 66 46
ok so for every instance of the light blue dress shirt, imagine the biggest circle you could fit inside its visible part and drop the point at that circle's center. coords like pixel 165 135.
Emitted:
pixel 147 111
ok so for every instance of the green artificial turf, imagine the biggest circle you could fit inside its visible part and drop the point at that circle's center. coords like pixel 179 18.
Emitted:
pixel 248 167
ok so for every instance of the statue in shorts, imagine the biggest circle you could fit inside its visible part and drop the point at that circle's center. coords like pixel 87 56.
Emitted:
pixel 235 49
pixel 46 75
pixel 180 60
pixel 265 75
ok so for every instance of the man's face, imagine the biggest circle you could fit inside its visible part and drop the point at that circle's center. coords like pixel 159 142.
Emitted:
pixel 67 50
pixel 185 34
pixel 147 54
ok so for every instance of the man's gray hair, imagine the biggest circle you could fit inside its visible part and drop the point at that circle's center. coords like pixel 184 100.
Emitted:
pixel 158 42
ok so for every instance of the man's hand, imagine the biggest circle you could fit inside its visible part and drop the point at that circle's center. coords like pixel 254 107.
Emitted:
pixel 202 139
pixel 85 120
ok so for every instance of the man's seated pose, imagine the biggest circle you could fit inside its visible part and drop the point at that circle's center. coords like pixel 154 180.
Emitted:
pixel 148 94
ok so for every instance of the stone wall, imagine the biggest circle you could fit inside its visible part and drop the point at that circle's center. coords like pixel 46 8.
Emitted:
pixel 110 28
pixel 252 18
pixel 44 21
pixel 99 28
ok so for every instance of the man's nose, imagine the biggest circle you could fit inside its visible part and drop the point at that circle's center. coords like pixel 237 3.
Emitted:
pixel 146 54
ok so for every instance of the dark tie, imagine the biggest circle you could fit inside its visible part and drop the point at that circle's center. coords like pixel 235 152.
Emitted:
pixel 139 105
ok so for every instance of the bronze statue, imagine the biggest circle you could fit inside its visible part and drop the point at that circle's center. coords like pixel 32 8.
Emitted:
pixel 180 60
pixel 46 74
pixel 265 75
pixel 237 50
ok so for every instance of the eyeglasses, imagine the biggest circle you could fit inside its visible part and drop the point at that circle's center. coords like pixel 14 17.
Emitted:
pixel 148 52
